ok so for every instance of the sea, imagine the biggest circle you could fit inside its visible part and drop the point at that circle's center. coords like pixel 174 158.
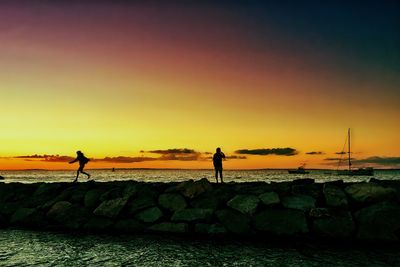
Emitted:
pixel 40 248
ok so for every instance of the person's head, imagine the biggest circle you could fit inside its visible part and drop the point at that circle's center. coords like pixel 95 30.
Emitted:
pixel 79 153
pixel 218 150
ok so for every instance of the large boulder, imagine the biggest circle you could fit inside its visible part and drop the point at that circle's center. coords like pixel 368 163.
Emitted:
pixel 22 215
pixel 190 215
pixel 314 190
pixel 269 198
pixel 111 208
pixel 281 222
pixel 168 227
pixel 298 202
pixel 91 199
pixel 140 203
pixel 246 204
pixel 334 196
pixel 128 226
pixel 149 215
pixel 209 229
pixel 172 202
pixel 207 201
pixel 339 225
pixel 67 215
pixel 368 193
pixel 234 221
pixel 96 224
pixel 191 189
pixel 379 222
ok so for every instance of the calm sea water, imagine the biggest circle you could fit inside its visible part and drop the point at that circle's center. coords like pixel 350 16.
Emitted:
pixel 168 175
pixel 27 248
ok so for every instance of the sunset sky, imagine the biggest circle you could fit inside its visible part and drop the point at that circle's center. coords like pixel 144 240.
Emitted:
pixel 147 84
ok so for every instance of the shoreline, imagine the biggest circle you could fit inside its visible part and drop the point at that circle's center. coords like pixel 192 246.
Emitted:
pixel 296 211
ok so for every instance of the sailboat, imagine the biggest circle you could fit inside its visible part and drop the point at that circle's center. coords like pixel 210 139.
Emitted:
pixel 353 172
pixel 299 170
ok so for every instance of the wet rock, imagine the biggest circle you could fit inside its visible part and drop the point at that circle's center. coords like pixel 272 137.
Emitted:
pixel 140 203
pixel 281 222
pixel 149 215
pixel 22 215
pixel 128 226
pixel 299 202
pixel 210 229
pixel 369 192
pixel 92 197
pixel 207 201
pixel 269 198
pixel 131 190
pixel 96 224
pixel 379 222
pixel 172 202
pixel 191 189
pixel 246 204
pixel 334 226
pixel 111 194
pixel 334 196
pixel 234 221
pixel 111 208
pixel 190 215
pixel 67 215
pixel 304 181
pixel 168 227
pixel 312 189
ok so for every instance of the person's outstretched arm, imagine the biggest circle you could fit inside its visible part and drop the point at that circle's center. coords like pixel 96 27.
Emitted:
pixel 75 160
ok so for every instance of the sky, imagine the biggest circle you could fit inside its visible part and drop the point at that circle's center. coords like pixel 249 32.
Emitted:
pixel 155 84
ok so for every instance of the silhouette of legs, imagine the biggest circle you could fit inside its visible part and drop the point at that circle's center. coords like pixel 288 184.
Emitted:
pixel 80 170
pixel 218 170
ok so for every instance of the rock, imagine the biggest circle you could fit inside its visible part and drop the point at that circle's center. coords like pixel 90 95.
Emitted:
pixel 22 215
pixel 111 194
pixel 299 202
pixel 320 213
pixel 253 188
pixel 281 222
pixel 3 222
pixel 172 202
pixel 334 196
pixel 168 227
pixel 207 201
pixel 269 198
pixel 234 221
pixel 379 222
pixel 128 226
pixel 190 215
pixel 246 204
pixel 149 215
pixel 369 193
pixel 7 209
pixel 191 189
pixel 96 224
pixel 67 215
pixel 48 189
pixel 78 196
pixel 131 190
pixel 210 229
pixel 92 197
pixel 111 208
pixel 337 226
pixel 313 190
pixel 305 181
pixel 140 203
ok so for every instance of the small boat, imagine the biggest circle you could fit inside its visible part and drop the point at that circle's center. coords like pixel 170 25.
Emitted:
pixel 369 171
pixel 1 177
pixel 299 170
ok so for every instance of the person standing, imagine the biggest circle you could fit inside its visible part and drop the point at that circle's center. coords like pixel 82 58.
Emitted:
pixel 82 162
pixel 217 161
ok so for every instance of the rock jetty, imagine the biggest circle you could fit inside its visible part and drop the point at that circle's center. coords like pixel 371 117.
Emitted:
pixel 302 208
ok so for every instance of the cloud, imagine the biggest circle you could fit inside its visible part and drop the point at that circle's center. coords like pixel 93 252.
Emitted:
pixel 173 151
pixel 46 158
pixel 333 159
pixel 315 153
pixel 287 151
pixel 236 157
pixel 382 161
pixel 123 159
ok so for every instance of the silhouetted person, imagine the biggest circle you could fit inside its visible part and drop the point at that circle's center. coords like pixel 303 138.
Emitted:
pixel 217 160
pixel 82 162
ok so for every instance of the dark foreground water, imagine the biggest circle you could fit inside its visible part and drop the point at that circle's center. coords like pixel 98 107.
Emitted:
pixel 27 248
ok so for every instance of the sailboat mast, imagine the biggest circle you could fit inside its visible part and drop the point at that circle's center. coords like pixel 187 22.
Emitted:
pixel 348 137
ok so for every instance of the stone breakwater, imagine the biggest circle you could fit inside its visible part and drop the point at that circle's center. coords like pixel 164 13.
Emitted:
pixel 302 208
